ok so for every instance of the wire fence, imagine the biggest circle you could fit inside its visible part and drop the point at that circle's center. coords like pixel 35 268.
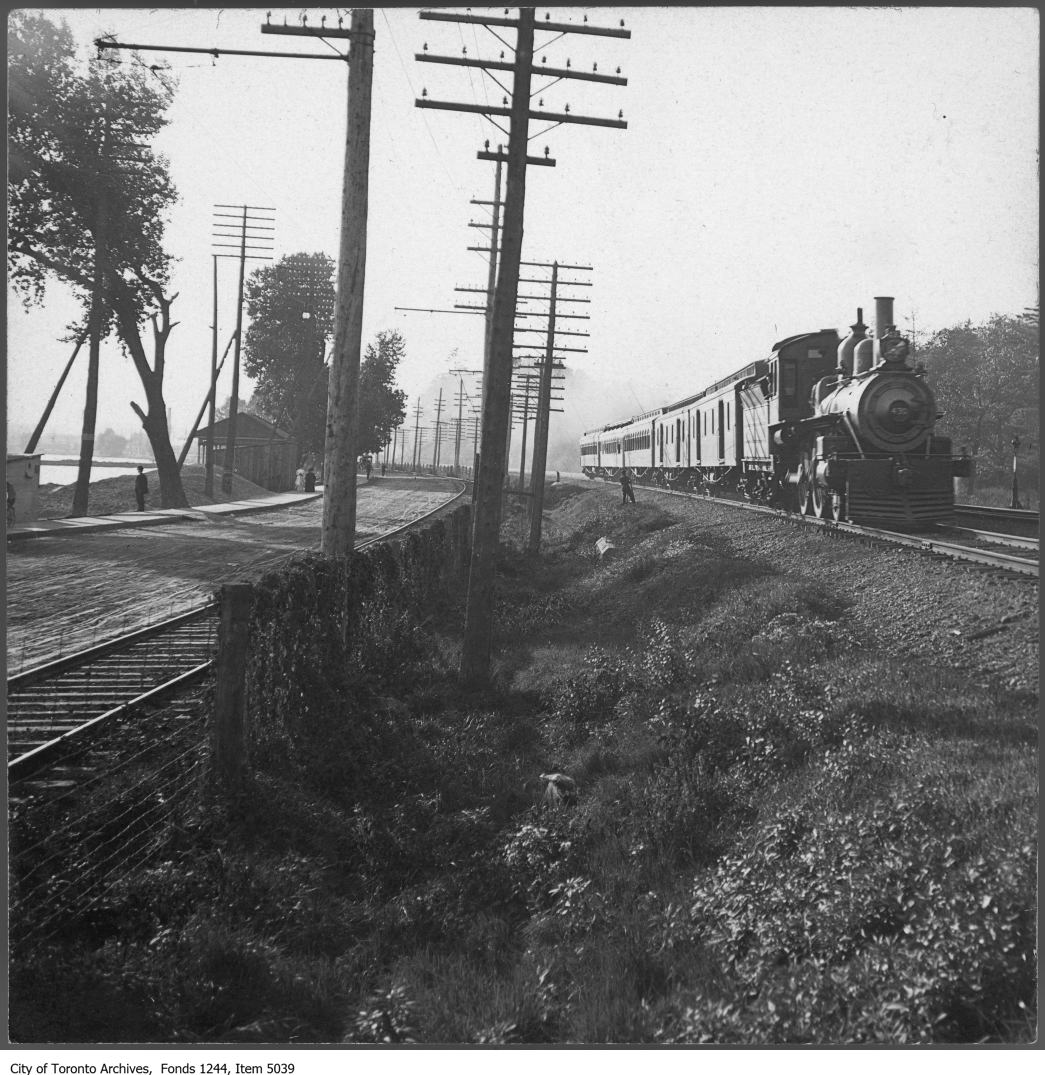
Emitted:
pixel 78 832
pixel 116 803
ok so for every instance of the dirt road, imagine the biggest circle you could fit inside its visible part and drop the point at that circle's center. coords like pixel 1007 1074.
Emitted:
pixel 64 594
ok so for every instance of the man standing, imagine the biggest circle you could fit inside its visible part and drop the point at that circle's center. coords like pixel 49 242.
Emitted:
pixel 141 487
pixel 626 491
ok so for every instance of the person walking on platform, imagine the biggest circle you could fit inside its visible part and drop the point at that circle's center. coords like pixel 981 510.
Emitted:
pixel 299 479
pixel 626 491
pixel 141 487
pixel 310 480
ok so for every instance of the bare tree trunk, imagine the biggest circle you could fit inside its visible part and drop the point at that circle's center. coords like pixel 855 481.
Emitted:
pixel 154 418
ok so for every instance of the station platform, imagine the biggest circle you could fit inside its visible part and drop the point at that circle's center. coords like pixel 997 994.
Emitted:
pixel 89 524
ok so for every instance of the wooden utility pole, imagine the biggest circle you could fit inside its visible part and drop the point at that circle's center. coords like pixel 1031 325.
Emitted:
pixel 496 417
pixel 339 500
pixel 90 409
pixel 254 224
pixel 417 433
pixel 38 431
pixel 208 401
pixel 489 482
pixel 544 396
pixel 338 516
pixel 208 482
pixel 438 419
pixel 525 423
pixel 342 434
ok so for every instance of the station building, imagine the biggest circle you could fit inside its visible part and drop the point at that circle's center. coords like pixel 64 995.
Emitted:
pixel 265 454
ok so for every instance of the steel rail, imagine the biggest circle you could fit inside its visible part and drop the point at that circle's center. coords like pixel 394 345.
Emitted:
pixel 85 656
pixel 30 762
pixel 1017 564
pixel 990 536
pixel 985 512
pixel 51 750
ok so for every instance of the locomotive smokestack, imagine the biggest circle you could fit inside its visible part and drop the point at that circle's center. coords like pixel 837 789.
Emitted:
pixel 883 322
pixel 848 345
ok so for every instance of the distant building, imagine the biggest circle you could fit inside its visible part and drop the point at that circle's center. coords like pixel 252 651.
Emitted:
pixel 23 475
pixel 265 454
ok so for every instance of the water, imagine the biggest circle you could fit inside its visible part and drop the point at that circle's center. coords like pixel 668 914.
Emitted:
pixel 59 475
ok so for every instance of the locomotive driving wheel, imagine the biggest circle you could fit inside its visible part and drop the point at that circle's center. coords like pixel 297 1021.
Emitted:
pixel 805 493
pixel 820 501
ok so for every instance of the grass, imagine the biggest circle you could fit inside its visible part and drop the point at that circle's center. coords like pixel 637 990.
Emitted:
pixel 780 835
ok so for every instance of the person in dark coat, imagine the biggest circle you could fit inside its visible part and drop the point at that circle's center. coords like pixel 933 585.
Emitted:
pixel 310 480
pixel 141 487
pixel 626 491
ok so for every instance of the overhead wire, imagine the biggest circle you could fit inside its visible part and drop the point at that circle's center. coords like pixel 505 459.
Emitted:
pixel 413 93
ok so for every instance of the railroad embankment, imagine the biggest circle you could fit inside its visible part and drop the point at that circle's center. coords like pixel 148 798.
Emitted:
pixel 733 782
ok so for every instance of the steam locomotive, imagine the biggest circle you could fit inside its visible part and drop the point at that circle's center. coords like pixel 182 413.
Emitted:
pixel 840 429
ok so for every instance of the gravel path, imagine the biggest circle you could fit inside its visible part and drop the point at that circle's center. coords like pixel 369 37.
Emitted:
pixel 911 605
pixel 64 594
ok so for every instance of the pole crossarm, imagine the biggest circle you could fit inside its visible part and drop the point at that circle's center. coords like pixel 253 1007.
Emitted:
pixel 312 31
pixel 220 52
pixel 554 27
pixel 499 110
pixel 546 162
pixel 567 350
pixel 426 310
pixel 551 265
pixel 562 283
pixel 541 70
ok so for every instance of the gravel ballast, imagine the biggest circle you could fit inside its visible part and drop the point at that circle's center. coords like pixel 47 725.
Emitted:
pixel 907 604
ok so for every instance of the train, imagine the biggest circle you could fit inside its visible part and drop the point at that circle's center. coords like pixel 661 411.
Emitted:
pixel 841 429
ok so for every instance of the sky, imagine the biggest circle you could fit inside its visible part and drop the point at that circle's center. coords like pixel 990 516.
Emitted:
pixel 781 167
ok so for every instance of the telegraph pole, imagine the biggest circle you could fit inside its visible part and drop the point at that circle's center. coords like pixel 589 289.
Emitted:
pixel 488 487
pixel 540 433
pixel 339 499
pixel 208 482
pixel 525 423
pixel 417 434
pixel 254 224
pixel 438 417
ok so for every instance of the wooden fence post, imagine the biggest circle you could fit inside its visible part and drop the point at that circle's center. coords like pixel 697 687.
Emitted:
pixel 229 738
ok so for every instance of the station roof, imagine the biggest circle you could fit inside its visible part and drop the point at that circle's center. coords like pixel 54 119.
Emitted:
pixel 249 428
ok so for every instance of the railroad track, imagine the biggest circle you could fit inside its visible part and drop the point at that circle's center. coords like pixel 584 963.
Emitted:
pixel 53 709
pixel 1012 521
pixel 1007 561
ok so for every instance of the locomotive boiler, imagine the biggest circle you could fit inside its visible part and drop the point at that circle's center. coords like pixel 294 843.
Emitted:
pixel 841 429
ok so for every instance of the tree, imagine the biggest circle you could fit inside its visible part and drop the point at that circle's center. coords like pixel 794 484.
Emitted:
pixel 985 378
pixel 87 198
pixel 242 407
pixel 111 443
pixel 382 407
pixel 291 309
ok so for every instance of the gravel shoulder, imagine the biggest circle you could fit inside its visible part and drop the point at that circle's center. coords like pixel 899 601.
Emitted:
pixel 910 605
